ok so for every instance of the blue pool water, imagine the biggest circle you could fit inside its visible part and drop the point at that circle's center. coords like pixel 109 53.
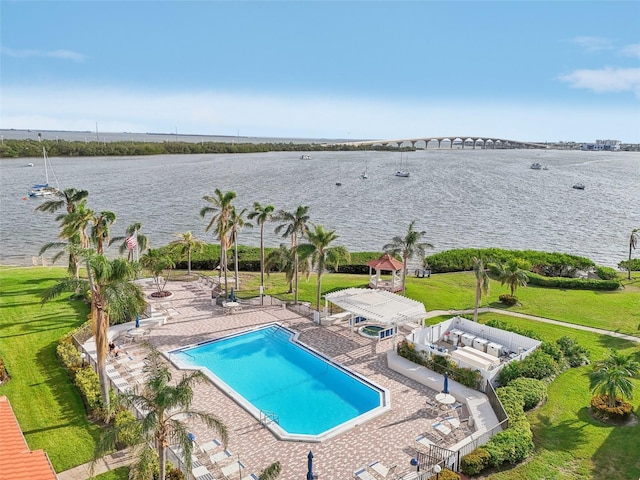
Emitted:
pixel 309 394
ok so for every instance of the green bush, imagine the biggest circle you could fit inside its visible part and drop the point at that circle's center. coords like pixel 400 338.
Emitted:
pixel 621 411
pixel 575 354
pixel 475 462
pixel 127 428
pixel 508 300
pixel 533 391
pixel 502 325
pixel 69 355
pixel 87 381
pixel 537 365
pixel 511 445
pixel 553 350
pixel 447 474
pixel 4 375
pixel 572 283
pixel 635 265
pixel 606 273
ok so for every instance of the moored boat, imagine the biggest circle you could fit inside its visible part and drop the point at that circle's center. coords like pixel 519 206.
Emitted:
pixel 578 186
pixel 536 166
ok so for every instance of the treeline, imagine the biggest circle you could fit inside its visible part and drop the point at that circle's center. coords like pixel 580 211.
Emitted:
pixel 63 148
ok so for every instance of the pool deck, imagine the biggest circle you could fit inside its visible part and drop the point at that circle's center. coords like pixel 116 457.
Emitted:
pixel 389 438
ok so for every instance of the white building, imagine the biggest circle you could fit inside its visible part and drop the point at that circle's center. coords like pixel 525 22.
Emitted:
pixel 602 145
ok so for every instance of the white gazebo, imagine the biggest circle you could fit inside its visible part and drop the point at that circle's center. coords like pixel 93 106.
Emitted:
pixel 378 306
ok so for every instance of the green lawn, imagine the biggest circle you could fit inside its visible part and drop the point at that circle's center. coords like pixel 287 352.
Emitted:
pixel 48 407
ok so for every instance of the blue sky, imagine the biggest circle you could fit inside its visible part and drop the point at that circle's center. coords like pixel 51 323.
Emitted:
pixel 538 71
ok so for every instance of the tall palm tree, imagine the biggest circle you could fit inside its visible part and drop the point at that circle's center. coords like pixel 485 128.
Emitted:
pixel 142 241
pixel 186 244
pixel 67 199
pixel 77 223
pixel 482 283
pixel 408 246
pixel 112 296
pixel 513 276
pixel 633 243
pixel 612 376
pixel 319 253
pixel 295 226
pixel 220 208
pixel 237 223
pixel 165 403
pixel 261 214
pixel 282 260
pixel 100 230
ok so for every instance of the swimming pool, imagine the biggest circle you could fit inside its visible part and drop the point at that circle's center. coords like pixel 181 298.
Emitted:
pixel 268 370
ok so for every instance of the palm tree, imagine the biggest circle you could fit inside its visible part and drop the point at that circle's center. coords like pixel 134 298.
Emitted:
pixel 633 243
pixel 294 226
pixel 77 223
pixel 513 276
pixel 612 377
pixel 407 246
pixel 282 260
pixel 319 253
pixel 142 241
pixel 164 404
pixel 186 244
pixel 100 230
pixel 67 198
pixel 237 223
pixel 482 283
pixel 157 262
pixel 112 296
pixel 262 215
pixel 221 205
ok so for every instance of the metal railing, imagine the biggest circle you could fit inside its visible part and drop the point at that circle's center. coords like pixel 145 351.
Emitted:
pixel 267 417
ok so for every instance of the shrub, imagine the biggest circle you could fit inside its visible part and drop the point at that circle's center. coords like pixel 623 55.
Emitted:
pixel 606 273
pixel 533 391
pixel 69 355
pixel 4 375
pixel 174 473
pixel 621 411
pixel 502 325
pixel 127 428
pixel 508 300
pixel 635 265
pixel 553 350
pixel 572 283
pixel 447 474
pixel 575 354
pixel 89 385
pixel 475 462
pixel 511 445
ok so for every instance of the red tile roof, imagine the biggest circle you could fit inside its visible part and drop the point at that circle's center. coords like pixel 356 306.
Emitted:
pixel 386 262
pixel 17 462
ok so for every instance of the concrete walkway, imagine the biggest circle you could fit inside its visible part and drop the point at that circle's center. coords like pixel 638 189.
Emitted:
pixel 631 338
pixel 118 459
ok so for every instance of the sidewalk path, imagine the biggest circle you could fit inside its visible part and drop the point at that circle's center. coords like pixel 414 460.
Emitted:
pixel 631 338
pixel 117 459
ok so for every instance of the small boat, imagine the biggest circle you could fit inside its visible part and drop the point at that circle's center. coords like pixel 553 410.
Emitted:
pixel 338 184
pixel 535 166
pixel 401 173
pixel 364 174
pixel 29 164
pixel 545 168
pixel 44 189
pixel 578 186
pixel 305 157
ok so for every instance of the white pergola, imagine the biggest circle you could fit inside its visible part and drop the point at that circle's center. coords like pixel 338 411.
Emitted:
pixel 378 306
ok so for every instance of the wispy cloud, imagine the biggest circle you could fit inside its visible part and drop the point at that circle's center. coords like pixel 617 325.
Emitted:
pixel 631 50
pixel 606 80
pixel 61 54
pixel 594 44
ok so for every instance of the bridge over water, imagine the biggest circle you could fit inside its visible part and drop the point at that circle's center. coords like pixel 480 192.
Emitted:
pixel 453 141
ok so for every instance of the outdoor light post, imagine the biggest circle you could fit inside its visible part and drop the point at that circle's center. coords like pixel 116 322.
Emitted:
pixel 437 469
pixel 82 357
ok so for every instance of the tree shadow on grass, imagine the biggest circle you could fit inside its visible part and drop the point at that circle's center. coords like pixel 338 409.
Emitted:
pixel 566 436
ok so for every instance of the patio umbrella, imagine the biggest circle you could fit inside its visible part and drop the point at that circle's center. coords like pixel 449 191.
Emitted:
pixel 310 466
pixel 138 321
pixel 232 297
pixel 446 383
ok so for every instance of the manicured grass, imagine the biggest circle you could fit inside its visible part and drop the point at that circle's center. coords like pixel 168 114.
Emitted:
pixel 47 405
pixel 121 473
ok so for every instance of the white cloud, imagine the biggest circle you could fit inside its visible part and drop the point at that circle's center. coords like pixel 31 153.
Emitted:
pixel 61 54
pixel 631 50
pixel 605 80
pixel 223 113
pixel 594 44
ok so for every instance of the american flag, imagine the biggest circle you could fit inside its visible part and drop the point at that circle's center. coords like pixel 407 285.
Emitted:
pixel 132 241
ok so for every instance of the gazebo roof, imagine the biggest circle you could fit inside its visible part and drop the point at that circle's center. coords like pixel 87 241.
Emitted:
pixel 386 262
pixel 378 305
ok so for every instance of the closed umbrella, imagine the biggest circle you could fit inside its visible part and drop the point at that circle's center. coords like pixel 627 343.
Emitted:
pixel 310 466
pixel 446 383
pixel 138 321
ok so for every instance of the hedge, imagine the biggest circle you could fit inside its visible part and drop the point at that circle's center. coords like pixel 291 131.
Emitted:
pixel 572 283
pixel 533 391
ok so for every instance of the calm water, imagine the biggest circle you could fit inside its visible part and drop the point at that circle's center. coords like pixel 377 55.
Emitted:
pixel 309 395
pixel 461 198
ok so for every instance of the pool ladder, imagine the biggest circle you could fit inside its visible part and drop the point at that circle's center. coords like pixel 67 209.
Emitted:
pixel 267 417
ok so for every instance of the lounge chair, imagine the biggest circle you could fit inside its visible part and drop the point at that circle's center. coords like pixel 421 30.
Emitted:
pixel 443 429
pixel 218 457
pixel 202 473
pixel 210 445
pixel 232 469
pixel 423 440
pixel 382 469
pixel 363 474
pixel 453 421
pixel 251 476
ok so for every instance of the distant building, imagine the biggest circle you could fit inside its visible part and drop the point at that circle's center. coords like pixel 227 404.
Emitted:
pixel 602 145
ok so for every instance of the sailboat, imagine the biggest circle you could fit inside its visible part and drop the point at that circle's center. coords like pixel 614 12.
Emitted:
pixel 44 189
pixel 364 174
pixel 401 172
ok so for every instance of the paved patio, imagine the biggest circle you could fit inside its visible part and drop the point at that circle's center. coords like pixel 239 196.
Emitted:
pixel 389 438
